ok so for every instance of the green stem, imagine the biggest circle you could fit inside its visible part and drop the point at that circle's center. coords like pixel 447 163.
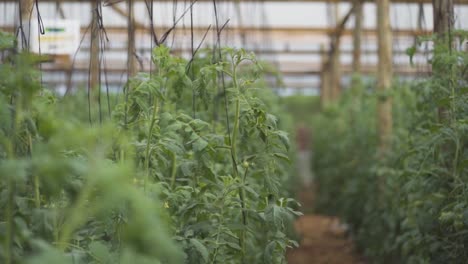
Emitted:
pixel 9 218
pixel 11 147
pixel 37 193
pixel 122 155
pixel 455 160
pixel 126 105
pixel 173 170
pixel 75 219
pixel 218 232
pixel 150 135
pixel 235 133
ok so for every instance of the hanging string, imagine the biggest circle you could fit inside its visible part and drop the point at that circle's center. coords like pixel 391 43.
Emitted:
pixel 39 19
pixel 221 74
pixel 89 74
pixel 41 31
pixel 104 63
pixel 189 64
pixel 173 27
pixel 100 20
pixel 103 40
pixel 20 32
pixel 174 13
pixel 69 85
pixel 422 26
pixel 150 9
pixel 3 22
pixel 153 36
pixel 191 68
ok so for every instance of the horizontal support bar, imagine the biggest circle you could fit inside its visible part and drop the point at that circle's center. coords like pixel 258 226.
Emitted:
pixel 255 30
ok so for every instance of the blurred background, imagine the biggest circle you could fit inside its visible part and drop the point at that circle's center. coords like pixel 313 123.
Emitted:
pixel 296 37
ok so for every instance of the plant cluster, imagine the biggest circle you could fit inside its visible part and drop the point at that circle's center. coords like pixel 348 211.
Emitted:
pixel 188 167
pixel 410 204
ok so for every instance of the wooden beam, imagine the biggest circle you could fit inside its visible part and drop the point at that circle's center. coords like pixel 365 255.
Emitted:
pixel 258 30
pixel 259 51
pixel 384 76
pixel 443 17
pixel 333 65
pixel 324 79
pixel 287 67
pixel 443 26
pixel 131 52
pixel 357 33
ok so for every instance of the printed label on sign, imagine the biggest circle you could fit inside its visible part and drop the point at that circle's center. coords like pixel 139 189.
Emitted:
pixel 61 37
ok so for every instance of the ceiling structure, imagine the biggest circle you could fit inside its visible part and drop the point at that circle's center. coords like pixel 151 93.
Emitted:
pixel 298 49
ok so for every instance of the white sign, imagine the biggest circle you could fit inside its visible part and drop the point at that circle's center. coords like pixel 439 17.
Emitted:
pixel 61 37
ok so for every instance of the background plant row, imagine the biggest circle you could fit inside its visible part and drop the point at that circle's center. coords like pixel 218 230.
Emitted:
pixel 408 205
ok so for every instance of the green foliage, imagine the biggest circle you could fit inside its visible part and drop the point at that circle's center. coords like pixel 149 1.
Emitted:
pixel 7 41
pixel 410 206
pixel 183 171
pixel 301 107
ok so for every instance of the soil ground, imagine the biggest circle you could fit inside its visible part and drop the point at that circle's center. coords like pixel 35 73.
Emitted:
pixel 323 239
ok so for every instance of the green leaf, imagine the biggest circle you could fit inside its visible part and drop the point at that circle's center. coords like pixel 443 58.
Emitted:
pixel 199 144
pixel 200 248
pixel 233 245
pixel 283 136
pixel 268 254
pixel 282 156
pixel 410 52
pixel 99 251
pixel 7 41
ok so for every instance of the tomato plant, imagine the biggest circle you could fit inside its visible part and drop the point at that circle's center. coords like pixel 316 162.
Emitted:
pixel 189 167
pixel 409 206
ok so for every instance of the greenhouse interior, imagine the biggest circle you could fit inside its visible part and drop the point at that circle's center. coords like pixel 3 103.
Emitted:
pixel 234 131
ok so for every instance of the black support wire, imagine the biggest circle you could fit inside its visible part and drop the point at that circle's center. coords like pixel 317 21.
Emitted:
pixel 150 8
pixel 194 109
pixel 20 32
pixel 101 33
pixel 69 82
pixel 153 38
pixel 223 82
pixel 174 14
pixel 41 31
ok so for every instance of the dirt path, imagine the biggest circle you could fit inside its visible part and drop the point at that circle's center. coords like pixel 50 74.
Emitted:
pixel 323 241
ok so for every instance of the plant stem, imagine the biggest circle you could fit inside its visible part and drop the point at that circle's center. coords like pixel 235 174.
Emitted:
pixel 9 227
pixel 218 232
pixel 148 141
pixel 75 218
pixel 37 193
pixel 11 147
pixel 174 170
pixel 235 133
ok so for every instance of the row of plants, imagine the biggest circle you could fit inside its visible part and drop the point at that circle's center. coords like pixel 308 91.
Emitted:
pixel 187 165
pixel 410 204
